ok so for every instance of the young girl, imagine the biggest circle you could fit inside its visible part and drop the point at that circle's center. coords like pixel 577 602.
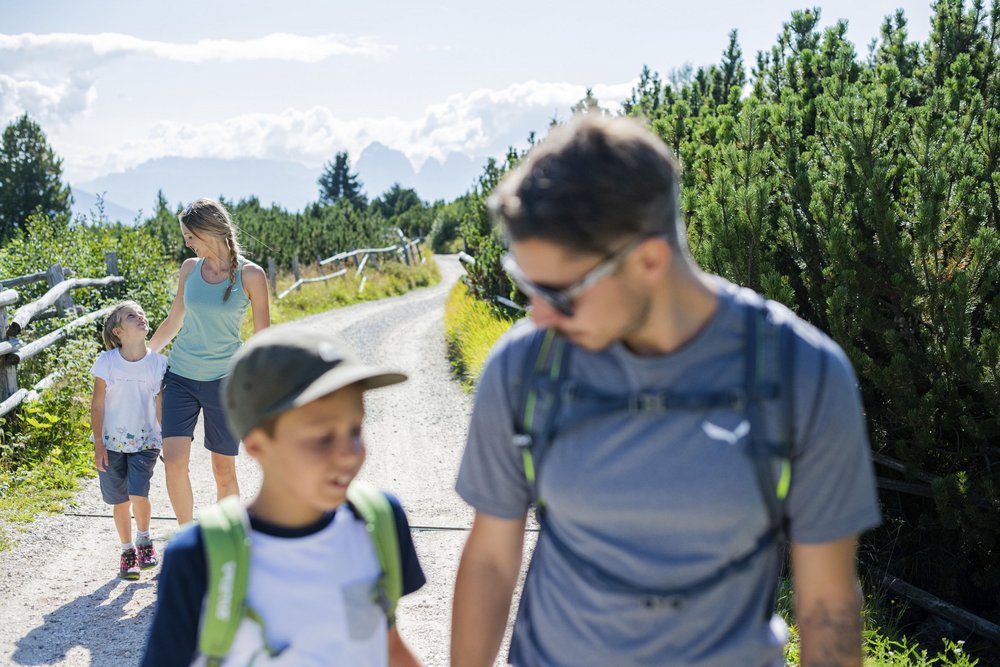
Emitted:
pixel 214 290
pixel 125 420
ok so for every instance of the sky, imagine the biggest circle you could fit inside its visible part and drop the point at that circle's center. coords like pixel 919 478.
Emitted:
pixel 114 84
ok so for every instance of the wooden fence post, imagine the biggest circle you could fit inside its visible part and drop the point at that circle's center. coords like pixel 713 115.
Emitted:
pixel 8 371
pixel 402 245
pixel 272 274
pixel 111 263
pixel 319 265
pixel 295 267
pixel 54 276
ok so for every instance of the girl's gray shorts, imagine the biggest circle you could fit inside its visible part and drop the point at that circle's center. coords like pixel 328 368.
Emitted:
pixel 127 475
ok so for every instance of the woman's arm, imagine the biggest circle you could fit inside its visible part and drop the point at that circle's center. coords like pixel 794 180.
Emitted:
pixel 255 284
pixel 175 319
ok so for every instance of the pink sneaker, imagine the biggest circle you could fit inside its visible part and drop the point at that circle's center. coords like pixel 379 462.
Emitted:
pixel 129 568
pixel 147 554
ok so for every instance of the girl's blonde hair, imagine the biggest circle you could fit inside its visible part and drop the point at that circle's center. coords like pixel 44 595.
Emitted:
pixel 113 321
pixel 207 216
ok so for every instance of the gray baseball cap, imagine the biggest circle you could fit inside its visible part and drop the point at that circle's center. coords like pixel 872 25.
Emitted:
pixel 287 366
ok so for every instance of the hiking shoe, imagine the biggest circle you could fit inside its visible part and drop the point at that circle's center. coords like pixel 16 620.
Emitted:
pixel 147 554
pixel 129 565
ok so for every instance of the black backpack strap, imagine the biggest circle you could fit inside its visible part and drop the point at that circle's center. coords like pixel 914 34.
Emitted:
pixel 769 369
pixel 540 399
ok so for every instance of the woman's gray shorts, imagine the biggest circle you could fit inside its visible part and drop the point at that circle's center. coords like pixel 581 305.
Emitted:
pixel 183 398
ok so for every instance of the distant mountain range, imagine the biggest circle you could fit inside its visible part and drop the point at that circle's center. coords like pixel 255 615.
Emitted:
pixel 290 185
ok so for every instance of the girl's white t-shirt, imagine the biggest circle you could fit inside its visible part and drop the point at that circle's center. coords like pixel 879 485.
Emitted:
pixel 130 423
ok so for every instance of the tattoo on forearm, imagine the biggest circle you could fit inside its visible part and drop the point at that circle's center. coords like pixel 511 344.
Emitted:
pixel 831 636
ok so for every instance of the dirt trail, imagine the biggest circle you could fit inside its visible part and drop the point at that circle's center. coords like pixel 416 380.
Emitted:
pixel 61 603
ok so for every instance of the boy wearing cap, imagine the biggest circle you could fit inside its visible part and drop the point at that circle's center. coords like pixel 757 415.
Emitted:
pixel 295 398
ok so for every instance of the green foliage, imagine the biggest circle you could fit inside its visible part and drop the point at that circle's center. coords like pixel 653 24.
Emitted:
pixel 482 239
pixel 148 277
pixel 402 208
pixel 337 183
pixel 56 427
pixel 30 178
pixel 444 235
pixel 865 196
pixel 44 445
pixel 319 231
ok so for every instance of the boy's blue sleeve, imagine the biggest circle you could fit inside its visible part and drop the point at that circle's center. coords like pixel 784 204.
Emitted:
pixel 413 574
pixel 173 635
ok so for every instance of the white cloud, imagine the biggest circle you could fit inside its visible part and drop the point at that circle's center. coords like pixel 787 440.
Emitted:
pixel 51 76
pixel 45 103
pixel 483 122
pixel 277 46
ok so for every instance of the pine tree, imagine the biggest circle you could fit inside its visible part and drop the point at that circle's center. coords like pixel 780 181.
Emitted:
pixel 337 182
pixel 588 105
pixel 30 177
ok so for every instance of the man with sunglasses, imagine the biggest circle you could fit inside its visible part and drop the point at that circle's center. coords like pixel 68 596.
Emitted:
pixel 659 544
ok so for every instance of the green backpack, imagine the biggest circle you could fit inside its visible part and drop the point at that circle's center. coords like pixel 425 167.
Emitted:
pixel 226 535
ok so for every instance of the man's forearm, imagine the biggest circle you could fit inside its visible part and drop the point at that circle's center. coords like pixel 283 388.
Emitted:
pixel 830 634
pixel 479 614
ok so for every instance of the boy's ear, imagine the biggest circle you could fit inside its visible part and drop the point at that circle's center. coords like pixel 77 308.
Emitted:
pixel 254 442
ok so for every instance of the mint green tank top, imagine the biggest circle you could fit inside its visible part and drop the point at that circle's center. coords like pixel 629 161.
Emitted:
pixel 210 335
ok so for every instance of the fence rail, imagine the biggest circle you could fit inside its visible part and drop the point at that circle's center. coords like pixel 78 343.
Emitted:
pixel 57 300
pixel 408 249
pixel 468 260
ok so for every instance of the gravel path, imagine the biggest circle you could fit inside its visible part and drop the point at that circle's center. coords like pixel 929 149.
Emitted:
pixel 61 602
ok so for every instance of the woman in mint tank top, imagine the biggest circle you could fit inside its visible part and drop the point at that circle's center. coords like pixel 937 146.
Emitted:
pixel 214 290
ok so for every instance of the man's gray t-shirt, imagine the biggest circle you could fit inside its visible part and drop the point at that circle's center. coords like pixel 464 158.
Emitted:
pixel 667 499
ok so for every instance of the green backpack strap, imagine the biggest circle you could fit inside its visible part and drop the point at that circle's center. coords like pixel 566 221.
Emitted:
pixel 227 551
pixel 380 521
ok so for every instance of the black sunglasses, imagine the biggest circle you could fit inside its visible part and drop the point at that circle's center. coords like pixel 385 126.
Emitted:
pixel 564 299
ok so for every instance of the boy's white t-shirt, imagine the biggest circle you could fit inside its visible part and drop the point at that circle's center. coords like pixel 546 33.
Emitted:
pixel 130 423
pixel 313 596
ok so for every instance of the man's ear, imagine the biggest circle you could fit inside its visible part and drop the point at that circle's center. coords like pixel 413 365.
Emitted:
pixel 655 257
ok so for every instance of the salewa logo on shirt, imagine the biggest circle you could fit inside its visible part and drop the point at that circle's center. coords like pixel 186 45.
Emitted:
pixel 725 435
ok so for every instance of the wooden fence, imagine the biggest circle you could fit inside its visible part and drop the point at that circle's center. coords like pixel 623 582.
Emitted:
pixel 407 249
pixel 57 301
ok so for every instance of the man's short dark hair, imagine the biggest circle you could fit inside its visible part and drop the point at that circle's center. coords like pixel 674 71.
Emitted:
pixel 590 185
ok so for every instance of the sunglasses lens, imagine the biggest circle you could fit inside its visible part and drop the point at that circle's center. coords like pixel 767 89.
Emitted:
pixel 556 300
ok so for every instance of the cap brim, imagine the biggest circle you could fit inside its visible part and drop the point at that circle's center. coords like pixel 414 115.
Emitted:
pixel 340 377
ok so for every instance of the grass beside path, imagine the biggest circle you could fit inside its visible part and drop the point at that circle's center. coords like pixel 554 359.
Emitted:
pixel 470 330
pixel 390 279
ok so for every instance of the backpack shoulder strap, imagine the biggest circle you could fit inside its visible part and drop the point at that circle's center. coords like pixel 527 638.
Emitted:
pixel 769 367
pixel 227 551
pixel 539 400
pixel 380 522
